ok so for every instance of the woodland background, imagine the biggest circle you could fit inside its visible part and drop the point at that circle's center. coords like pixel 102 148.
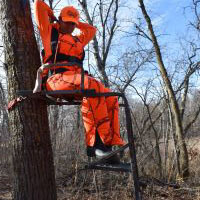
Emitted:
pixel 128 56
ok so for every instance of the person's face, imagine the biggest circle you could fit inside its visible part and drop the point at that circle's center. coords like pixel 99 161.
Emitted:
pixel 67 27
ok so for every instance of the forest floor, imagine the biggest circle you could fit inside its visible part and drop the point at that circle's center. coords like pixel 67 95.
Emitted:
pixel 112 186
pixel 93 192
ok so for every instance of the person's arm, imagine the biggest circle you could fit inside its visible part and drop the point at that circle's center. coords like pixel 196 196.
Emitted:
pixel 87 32
pixel 43 15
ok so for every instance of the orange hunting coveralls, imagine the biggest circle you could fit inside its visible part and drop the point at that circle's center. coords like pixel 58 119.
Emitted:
pixel 99 114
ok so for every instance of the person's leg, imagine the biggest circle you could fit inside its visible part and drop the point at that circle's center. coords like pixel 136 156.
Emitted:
pixel 113 113
pixel 95 115
pixel 69 80
pixel 99 134
pixel 99 149
pixel 94 110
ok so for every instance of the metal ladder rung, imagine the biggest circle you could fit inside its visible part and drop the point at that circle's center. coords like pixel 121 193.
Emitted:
pixel 122 167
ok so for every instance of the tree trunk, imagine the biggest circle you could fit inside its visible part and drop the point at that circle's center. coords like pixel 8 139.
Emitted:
pixel 183 158
pixel 28 122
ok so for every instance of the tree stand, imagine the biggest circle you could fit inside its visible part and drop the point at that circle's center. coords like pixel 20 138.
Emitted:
pixel 70 98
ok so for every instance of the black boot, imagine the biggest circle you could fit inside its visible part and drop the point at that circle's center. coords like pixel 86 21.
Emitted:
pixel 100 150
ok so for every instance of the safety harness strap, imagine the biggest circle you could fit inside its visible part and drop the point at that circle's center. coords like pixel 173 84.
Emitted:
pixel 57 56
pixel 14 102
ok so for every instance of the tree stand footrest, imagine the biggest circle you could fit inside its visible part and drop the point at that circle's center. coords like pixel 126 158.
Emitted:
pixel 122 167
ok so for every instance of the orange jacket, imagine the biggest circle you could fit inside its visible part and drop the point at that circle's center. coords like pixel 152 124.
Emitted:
pixel 68 44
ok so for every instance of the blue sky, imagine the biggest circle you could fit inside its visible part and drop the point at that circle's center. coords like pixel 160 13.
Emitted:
pixel 169 17
pixel 175 20
pixel 175 15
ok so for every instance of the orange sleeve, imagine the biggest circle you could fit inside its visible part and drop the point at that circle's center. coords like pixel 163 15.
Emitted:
pixel 42 14
pixel 87 32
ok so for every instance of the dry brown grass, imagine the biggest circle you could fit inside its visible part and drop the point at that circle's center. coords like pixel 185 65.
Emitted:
pixel 105 185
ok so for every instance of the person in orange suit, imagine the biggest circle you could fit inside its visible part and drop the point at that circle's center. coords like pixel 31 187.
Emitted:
pixel 100 114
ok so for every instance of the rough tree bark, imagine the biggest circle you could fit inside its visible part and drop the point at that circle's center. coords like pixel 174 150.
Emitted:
pixel 28 123
pixel 3 113
pixel 183 157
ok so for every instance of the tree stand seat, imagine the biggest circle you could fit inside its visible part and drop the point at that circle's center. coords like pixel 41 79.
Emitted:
pixel 70 97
